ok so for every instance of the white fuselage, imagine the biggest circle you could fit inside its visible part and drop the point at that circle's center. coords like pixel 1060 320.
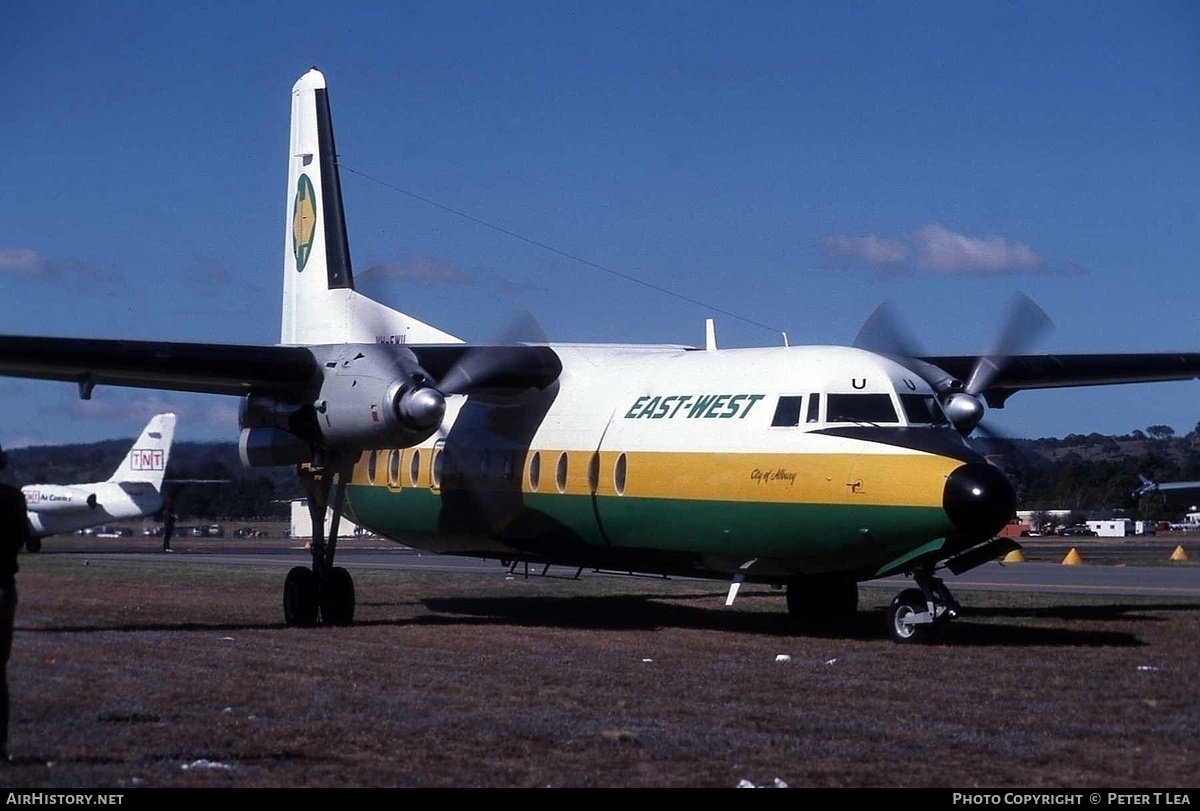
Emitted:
pixel 58 509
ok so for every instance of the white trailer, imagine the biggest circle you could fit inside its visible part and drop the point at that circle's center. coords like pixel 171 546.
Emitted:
pixel 1112 528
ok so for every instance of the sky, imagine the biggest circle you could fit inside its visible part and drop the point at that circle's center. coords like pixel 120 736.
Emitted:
pixel 619 171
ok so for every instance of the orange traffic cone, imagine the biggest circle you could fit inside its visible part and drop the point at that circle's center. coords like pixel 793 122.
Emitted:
pixel 1179 554
pixel 1014 556
pixel 1072 558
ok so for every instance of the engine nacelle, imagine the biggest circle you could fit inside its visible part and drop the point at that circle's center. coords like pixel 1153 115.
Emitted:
pixel 269 447
pixel 371 396
pixel 51 498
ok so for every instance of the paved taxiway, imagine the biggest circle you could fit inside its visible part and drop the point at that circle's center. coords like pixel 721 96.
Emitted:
pixel 1130 568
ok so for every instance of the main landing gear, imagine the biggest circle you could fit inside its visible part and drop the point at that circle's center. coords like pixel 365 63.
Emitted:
pixel 916 615
pixel 324 593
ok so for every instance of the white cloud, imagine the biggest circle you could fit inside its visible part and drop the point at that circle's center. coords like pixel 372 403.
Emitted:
pixel 197 413
pixel 419 269
pixel 943 251
pixel 21 261
pixel 32 265
pixel 870 250
pixel 937 249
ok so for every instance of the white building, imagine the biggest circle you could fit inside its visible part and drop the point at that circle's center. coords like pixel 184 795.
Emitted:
pixel 301 526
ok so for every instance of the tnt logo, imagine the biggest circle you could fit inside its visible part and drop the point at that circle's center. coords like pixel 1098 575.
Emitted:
pixel 146 459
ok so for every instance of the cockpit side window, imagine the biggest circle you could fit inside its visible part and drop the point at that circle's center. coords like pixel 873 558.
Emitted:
pixel 876 408
pixel 922 409
pixel 787 411
pixel 814 408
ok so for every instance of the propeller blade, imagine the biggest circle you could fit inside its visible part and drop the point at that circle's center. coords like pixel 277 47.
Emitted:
pixel 479 366
pixel 1024 325
pixel 513 366
pixel 884 332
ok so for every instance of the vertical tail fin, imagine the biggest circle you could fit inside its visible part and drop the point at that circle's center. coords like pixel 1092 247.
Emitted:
pixel 320 304
pixel 147 459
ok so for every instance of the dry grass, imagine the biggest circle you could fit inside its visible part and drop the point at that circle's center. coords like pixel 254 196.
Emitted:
pixel 182 675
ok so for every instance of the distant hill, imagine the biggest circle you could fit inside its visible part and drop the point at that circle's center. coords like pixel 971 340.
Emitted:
pixel 1096 472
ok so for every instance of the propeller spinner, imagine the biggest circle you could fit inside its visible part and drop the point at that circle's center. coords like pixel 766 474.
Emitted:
pixel 962 402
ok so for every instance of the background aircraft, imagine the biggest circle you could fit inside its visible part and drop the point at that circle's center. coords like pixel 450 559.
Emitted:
pixel 1176 494
pixel 810 467
pixel 133 491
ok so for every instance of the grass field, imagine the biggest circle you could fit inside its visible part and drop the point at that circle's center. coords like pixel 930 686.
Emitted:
pixel 172 674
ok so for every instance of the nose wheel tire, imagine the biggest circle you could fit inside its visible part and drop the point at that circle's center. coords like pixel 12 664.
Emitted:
pixel 904 608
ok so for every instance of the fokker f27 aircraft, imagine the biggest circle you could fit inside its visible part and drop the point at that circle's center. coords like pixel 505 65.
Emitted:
pixel 810 467
pixel 133 491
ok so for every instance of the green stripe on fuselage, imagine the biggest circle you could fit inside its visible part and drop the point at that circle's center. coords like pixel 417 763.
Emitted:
pixel 790 531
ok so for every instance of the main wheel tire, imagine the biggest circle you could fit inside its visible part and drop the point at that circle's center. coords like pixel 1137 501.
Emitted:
pixel 904 605
pixel 300 598
pixel 337 598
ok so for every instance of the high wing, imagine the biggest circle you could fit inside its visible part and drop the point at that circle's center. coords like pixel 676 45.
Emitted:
pixel 292 372
pixel 1051 371
pixel 192 367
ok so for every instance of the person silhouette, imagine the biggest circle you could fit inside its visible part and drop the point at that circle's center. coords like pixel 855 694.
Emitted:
pixel 14 534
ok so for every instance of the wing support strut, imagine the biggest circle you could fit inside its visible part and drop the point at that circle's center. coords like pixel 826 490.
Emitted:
pixel 738 579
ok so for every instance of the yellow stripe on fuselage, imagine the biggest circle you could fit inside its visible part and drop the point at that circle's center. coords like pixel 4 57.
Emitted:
pixel 906 478
pixel 875 479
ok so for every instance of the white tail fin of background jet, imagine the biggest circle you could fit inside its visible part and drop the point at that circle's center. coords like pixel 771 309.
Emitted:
pixel 320 304
pixel 147 459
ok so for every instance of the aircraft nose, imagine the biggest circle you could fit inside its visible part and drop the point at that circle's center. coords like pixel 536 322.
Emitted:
pixel 979 499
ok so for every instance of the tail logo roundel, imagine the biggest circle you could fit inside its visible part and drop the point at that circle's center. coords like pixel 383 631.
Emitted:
pixel 304 221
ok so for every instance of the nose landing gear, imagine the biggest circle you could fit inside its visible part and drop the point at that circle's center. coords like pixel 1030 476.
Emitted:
pixel 916 615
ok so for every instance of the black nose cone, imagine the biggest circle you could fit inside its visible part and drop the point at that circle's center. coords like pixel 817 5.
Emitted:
pixel 979 499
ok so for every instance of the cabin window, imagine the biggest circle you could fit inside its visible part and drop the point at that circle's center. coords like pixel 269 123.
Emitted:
pixel 509 465
pixel 560 472
pixel 372 466
pixel 594 473
pixel 535 470
pixel 484 464
pixel 619 475
pixel 814 408
pixel 787 411
pixel 414 467
pixel 860 408
pixel 437 468
pixel 922 409
pixel 394 468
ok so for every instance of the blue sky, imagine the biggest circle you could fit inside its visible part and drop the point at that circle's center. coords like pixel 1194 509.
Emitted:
pixel 789 166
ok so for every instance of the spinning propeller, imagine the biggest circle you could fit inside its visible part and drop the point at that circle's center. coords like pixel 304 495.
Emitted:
pixel 425 376
pixel 962 402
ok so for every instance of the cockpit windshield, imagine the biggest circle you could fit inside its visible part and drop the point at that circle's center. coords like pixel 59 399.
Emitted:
pixel 922 409
pixel 875 408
